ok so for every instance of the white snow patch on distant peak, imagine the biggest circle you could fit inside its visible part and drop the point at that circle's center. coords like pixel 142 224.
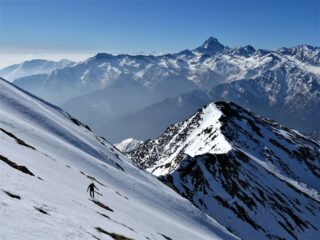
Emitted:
pixel 128 145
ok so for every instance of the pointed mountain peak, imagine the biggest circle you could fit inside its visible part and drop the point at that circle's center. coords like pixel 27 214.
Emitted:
pixel 211 40
pixel 211 46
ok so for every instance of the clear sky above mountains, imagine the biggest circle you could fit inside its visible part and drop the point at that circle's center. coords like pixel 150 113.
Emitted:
pixel 80 28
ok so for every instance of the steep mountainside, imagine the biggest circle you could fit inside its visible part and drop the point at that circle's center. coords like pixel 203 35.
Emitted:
pixel 106 87
pixel 256 177
pixel 47 160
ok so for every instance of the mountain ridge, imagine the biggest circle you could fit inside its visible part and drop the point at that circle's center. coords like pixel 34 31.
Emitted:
pixel 256 177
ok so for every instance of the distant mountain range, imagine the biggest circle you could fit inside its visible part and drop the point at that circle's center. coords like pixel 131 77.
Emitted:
pixel 33 67
pixel 282 84
pixel 258 178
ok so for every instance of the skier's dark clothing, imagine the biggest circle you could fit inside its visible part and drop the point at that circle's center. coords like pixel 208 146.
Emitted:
pixel 91 187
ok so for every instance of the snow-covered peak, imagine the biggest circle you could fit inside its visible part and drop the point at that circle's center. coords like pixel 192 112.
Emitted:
pixel 65 62
pixel 245 51
pixel 263 183
pixel 208 124
pixel 128 145
pixel 197 135
pixel 185 54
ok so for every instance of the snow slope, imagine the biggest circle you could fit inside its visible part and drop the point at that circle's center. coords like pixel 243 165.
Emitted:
pixel 257 178
pixel 47 160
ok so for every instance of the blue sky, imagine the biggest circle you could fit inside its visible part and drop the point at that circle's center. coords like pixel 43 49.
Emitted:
pixel 85 27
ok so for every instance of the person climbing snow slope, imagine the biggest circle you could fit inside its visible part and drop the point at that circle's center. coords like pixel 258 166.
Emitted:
pixel 91 188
